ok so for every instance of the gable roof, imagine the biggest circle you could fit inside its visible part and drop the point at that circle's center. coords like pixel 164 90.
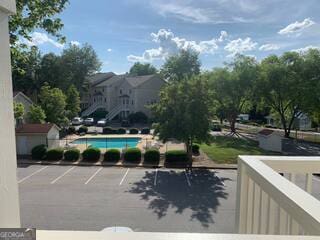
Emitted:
pixel 21 94
pixel 113 79
pixel 35 128
pixel 98 78
pixel 138 80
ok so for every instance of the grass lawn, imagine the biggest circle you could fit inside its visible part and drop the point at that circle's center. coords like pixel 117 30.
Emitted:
pixel 226 149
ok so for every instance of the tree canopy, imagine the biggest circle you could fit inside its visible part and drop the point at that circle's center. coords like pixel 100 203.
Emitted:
pixel 36 114
pixel 183 65
pixel 18 110
pixel 140 69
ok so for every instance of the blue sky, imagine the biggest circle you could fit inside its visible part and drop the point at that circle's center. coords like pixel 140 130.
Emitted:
pixel 125 31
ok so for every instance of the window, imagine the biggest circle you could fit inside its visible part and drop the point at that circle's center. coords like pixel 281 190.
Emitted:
pixel 105 99
pixel 102 89
pixel 94 100
pixel 132 102
pixel 120 91
pixel 127 101
pixel 130 91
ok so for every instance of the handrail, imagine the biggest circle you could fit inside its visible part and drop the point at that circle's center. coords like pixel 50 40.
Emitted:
pixel 268 203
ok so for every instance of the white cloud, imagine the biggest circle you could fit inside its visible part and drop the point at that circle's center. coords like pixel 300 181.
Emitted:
pixel 305 49
pixel 170 44
pixel 240 46
pixel 269 47
pixel 38 38
pixel 296 27
pixel 76 43
pixel 109 50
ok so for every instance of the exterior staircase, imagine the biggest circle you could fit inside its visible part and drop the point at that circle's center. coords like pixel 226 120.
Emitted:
pixel 114 112
pixel 91 109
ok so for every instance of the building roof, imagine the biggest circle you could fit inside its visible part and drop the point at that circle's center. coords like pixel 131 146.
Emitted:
pixel 138 80
pixel 110 81
pixel 266 132
pixel 35 128
pixel 98 78
pixel 21 94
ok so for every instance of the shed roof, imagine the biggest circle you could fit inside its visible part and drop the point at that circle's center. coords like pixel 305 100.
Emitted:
pixel 266 132
pixel 35 128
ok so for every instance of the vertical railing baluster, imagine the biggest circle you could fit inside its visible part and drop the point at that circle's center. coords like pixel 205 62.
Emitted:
pixel 256 209
pixel 308 185
pixel 264 212
pixel 250 206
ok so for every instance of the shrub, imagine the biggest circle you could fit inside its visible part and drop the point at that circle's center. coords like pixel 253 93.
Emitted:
pixel 91 154
pixel 132 155
pixel 54 154
pixel 152 155
pixel 112 155
pixel 134 131
pixel 72 154
pixel 195 149
pixel 83 129
pixel 216 128
pixel 145 131
pixel 138 117
pixel 108 130
pixel 174 156
pixel 72 130
pixel 121 131
pixel 39 152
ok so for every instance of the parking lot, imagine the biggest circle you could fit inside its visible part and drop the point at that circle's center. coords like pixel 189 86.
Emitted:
pixel 92 198
pixel 155 200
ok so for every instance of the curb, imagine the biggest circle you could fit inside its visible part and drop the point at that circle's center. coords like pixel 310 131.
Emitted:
pixel 124 165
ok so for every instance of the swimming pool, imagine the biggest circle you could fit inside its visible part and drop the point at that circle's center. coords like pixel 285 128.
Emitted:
pixel 108 142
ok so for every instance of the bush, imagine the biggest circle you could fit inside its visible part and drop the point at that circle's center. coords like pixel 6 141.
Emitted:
pixel 195 149
pixel 72 130
pixel 134 131
pixel 91 154
pixel 83 129
pixel 132 155
pixel 145 131
pixel 54 154
pixel 39 152
pixel 152 155
pixel 72 154
pixel 109 130
pixel 121 131
pixel 138 117
pixel 174 156
pixel 216 128
pixel 112 155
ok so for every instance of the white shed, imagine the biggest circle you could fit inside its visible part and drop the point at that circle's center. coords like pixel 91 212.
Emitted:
pixel 31 135
pixel 270 140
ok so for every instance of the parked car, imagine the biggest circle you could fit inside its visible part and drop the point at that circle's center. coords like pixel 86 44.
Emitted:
pixel 102 122
pixel 89 121
pixel 125 123
pixel 77 121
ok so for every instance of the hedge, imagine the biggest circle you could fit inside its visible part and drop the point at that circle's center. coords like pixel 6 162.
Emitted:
pixel 121 131
pixel 72 130
pixel 91 154
pixel 195 149
pixel 39 152
pixel 54 154
pixel 145 131
pixel 72 154
pixel 176 156
pixel 152 155
pixel 132 155
pixel 108 130
pixel 133 131
pixel 83 129
pixel 112 155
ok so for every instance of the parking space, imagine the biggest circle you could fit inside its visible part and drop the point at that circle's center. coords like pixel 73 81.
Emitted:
pixel 159 200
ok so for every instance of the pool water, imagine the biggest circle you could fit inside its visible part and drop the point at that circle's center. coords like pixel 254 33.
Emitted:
pixel 108 142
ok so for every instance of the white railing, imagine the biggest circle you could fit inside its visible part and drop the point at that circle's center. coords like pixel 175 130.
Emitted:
pixel 270 203
pixel 114 111
pixel 91 109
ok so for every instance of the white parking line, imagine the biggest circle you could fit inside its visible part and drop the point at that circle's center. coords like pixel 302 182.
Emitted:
pixel 155 178
pixel 93 176
pixel 65 173
pixel 124 176
pixel 25 178
pixel 185 173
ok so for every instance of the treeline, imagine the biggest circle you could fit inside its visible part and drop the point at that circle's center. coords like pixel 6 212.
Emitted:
pixel 54 82
pixel 286 85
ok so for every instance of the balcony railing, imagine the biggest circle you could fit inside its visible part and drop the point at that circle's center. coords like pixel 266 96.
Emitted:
pixel 270 203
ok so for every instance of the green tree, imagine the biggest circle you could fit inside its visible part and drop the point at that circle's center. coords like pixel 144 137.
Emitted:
pixel 232 87
pixel 18 110
pixel 283 87
pixel 53 102
pixel 77 63
pixel 181 66
pixel 140 69
pixel 183 111
pixel 73 102
pixel 36 114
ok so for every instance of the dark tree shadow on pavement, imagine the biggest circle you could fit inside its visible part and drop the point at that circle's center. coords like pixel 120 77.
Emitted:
pixel 201 197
